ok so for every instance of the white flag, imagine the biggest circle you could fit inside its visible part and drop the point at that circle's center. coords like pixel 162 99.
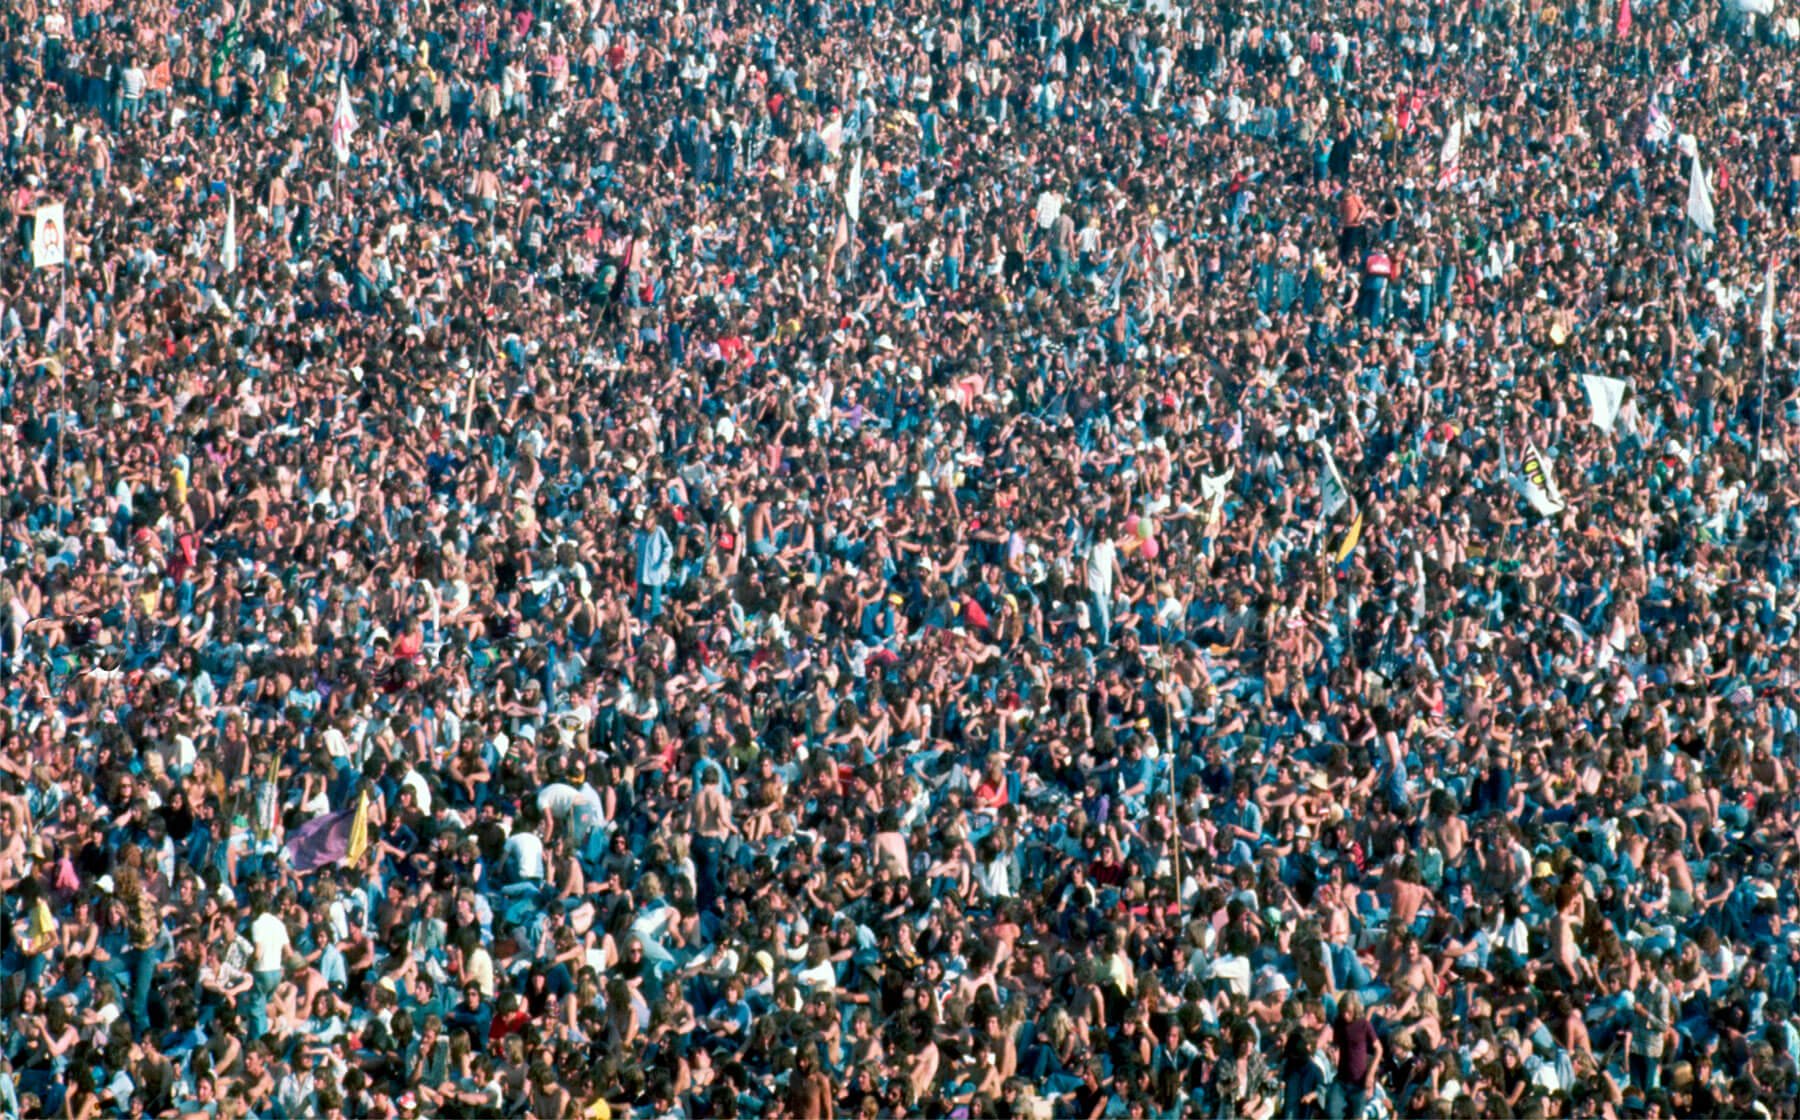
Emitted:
pixel 48 236
pixel 853 189
pixel 1451 151
pixel 228 252
pixel 1767 320
pixel 1536 484
pixel 1700 203
pixel 1333 494
pixel 1605 396
pixel 1213 488
pixel 343 123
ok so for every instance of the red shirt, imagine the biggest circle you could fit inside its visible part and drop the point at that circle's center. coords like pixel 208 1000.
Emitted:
pixel 504 1025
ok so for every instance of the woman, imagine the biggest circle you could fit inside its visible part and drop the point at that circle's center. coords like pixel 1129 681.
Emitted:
pixel 49 1040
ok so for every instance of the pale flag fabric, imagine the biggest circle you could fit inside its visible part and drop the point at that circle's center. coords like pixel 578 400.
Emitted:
pixel 1606 395
pixel 228 252
pixel 854 188
pixel 343 123
pixel 1451 151
pixel 1213 488
pixel 1700 203
pixel 1766 320
pixel 1333 494
pixel 49 236
pixel 1536 484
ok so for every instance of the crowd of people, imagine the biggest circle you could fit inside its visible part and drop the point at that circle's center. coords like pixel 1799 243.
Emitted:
pixel 975 558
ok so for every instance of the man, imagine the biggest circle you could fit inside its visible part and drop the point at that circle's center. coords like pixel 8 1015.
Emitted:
pixel 524 857
pixel 1359 1057
pixel 710 819
pixel 809 1090
pixel 270 942
pixel 1103 573
pixel 655 554
pixel 729 1020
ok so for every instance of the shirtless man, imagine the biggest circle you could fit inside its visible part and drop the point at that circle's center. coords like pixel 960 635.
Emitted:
pixel 809 1092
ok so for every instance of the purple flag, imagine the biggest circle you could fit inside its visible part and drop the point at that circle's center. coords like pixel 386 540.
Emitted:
pixel 320 841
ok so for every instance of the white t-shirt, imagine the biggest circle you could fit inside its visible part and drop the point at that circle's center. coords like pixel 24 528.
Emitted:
pixel 1101 559
pixel 270 936
pixel 527 853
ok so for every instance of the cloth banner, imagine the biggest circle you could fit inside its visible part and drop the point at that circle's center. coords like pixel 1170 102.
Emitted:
pixel 1605 396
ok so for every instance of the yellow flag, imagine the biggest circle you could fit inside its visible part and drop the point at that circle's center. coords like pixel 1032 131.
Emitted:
pixel 359 831
pixel 40 933
pixel 1350 540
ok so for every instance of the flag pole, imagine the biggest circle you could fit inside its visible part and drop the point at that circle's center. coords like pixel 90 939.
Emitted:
pixel 1767 325
pixel 62 384
pixel 1174 793
pixel 1762 394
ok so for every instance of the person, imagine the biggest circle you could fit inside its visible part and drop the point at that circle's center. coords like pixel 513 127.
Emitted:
pixel 655 556
pixel 270 945
pixel 1359 1055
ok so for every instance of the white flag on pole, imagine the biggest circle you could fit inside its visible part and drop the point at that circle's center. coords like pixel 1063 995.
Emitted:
pixel 853 188
pixel 1451 151
pixel 1333 494
pixel 1605 396
pixel 1213 488
pixel 228 252
pixel 1700 203
pixel 343 123
pixel 48 236
pixel 1766 320
pixel 1536 484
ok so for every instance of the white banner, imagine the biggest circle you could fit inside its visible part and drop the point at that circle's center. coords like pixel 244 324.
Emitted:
pixel 228 252
pixel 1213 488
pixel 48 236
pixel 853 189
pixel 1536 484
pixel 1451 151
pixel 1700 203
pixel 343 123
pixel 1605 396
pixel 1333 494
pixel 1766 320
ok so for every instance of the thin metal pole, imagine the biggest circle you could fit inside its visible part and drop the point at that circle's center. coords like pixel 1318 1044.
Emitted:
pixel 1762 396
pixel 1174 794
pixel 62 382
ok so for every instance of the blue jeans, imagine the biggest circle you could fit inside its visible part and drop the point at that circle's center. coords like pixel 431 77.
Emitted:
pixel 257 1013
pixel 1102 620
pixel 648 604
pixel 1347 1100
pixel 709 859
pixel 142 965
